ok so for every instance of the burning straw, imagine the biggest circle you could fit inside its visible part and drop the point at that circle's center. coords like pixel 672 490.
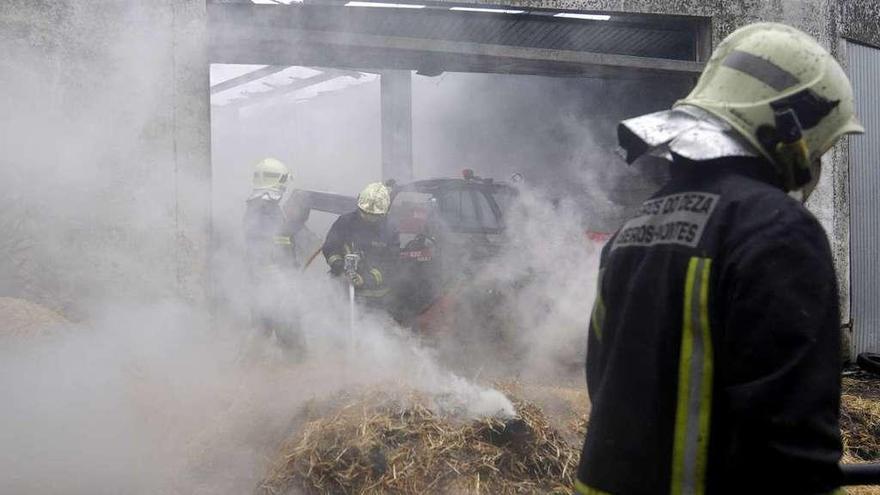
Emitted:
pixel 378 444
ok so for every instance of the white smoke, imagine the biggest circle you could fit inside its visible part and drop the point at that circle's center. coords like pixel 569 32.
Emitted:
pixel 149 392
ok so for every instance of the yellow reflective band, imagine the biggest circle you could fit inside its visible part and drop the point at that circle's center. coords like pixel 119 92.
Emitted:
pixel 597 319
pixel 582 488
pixel 708 377
pixel 282 240
pixel 695 370
pixel 374 292
pixel 334 258
pixel 377 275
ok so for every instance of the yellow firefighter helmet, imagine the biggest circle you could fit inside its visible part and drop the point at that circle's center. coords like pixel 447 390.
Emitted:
pixel 781 91
pixel 374 199
pixel 271 174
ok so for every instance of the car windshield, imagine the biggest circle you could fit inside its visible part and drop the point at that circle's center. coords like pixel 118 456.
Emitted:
pixel 411 210
pixel 458 208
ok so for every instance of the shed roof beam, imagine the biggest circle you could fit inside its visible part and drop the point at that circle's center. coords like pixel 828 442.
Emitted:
pixel 311 47
pixel 246 78
pixel 296 85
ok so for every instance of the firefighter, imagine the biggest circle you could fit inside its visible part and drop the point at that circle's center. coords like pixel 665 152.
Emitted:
pixel 365 233
pixel 270 251
pixel 268 234
pixel 713 359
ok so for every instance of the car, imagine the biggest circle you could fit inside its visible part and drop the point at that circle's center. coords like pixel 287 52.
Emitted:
pixel 448 228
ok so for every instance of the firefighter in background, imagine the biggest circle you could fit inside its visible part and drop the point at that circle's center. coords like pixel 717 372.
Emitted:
pixel 365 232
pixel 270 251
pixel 713 362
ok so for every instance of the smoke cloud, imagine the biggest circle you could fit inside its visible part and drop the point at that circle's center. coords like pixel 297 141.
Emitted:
pixel 146 391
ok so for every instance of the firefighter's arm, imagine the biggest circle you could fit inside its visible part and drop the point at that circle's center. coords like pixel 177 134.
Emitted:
pixel 373 277
pixel 779 361
pixel 334 249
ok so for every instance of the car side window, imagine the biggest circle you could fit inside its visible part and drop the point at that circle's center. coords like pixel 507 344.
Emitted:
pixel 488 218
pixel 457 210
pixel 470 214
pixel 450 208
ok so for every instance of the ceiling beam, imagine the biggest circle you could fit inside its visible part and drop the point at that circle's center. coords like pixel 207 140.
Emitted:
pixel 506 52
pixel 249 99
pixel 335 36
pixel 336 49
pixel 246 78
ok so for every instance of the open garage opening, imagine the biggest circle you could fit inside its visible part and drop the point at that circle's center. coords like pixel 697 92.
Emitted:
pixel 349 93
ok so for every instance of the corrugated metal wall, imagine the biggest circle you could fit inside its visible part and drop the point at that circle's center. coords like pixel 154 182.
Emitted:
pixel 864 69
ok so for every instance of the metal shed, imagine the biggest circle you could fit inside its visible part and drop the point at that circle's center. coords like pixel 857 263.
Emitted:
pixel 864 69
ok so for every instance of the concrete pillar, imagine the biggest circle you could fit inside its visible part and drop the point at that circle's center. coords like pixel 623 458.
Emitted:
pixel 396 95
pixel 191 147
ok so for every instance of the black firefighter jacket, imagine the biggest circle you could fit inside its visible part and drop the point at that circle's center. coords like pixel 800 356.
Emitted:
pixel 375 242
pixel 713 361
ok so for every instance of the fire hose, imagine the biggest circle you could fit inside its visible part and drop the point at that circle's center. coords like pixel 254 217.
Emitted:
pixel 312 258
pixel 351 267
pixel 861 474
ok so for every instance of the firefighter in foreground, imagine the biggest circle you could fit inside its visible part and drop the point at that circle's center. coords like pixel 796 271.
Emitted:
pixel 365 236
pixel 713 361
pixel 270 251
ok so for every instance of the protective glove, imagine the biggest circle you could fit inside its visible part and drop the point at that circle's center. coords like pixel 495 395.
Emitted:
pixel 356 280
pixel 337 267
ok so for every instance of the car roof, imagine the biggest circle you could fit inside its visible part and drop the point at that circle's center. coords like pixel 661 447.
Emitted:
pixel 437 185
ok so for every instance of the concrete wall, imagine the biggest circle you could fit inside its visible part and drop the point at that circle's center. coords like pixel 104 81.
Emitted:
pixel 859 21
pixel 105 141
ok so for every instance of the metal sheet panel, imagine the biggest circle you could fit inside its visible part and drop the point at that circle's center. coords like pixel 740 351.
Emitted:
pixel 864 69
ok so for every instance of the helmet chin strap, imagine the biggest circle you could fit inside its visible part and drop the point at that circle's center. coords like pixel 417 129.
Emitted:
pixel 786 143
pixel 267 194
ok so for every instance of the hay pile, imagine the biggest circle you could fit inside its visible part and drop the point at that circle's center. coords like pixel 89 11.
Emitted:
pixel 379 444
pixel 21 319
pixel 860 419
pixel 860 424
pixel 566 407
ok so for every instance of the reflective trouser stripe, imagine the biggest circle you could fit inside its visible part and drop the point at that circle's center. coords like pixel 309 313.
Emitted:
pixel 598 317
pixel 283 240
pixel 373 292
pixel 377 275
pixel 694 384
pixel 581 488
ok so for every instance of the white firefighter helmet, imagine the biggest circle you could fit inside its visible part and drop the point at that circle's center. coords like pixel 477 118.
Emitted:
pixel 374 199
pixel 781 91
pixel 270 174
